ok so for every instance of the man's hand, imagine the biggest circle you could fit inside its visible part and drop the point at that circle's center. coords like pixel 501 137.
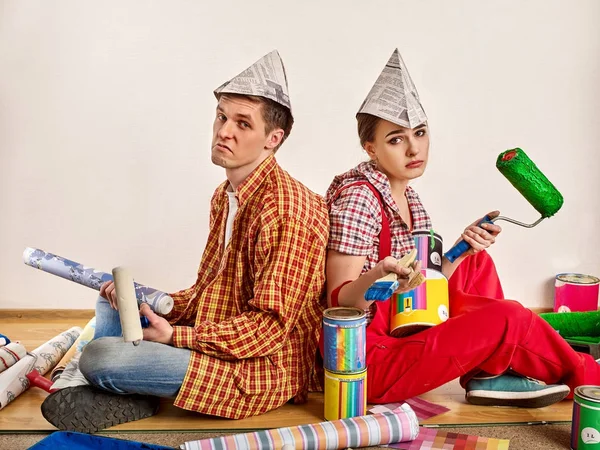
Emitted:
pixel 159 329
pixel 108 291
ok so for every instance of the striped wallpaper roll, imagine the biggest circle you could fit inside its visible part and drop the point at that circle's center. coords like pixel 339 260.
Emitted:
pixel 364 431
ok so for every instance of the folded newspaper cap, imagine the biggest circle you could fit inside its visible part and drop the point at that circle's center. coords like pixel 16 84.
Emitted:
pixel 265 78
pixel 394 96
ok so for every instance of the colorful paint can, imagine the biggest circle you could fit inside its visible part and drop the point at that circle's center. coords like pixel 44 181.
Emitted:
pixel 575 292
pixel 429 249
pixel 345 395
pixel 585 427
pixel 345 339
pixel 421 308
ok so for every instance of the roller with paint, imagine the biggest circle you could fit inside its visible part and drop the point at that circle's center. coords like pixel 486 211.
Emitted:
pixel 524 175
pixel 128 306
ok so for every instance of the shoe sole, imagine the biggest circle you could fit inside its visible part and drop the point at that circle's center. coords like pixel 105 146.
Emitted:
pixel 536 399
pixel 86 410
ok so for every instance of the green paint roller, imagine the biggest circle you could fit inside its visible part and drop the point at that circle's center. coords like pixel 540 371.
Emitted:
pixel 524 175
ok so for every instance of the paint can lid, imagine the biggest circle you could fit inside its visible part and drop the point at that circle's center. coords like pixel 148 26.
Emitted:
pixel 344 313
pixel 577 278
pixel 588 392
pixel 427 233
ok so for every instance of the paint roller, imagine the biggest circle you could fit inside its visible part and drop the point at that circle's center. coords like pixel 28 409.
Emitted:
pixel 128 306
pixel 524 175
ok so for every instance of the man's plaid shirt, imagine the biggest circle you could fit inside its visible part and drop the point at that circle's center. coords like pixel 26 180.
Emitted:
pixel 252 317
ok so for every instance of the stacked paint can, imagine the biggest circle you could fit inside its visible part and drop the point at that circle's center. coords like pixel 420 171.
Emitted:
pixel 585 427
pixel 426 305
pixel 575 292
pixel 344 334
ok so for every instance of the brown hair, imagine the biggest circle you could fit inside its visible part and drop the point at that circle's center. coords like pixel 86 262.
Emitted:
pixel 274 114
pixel 367 125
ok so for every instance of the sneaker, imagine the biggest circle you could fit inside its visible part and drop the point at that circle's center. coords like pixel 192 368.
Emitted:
pixel 87 409
pixel 516 391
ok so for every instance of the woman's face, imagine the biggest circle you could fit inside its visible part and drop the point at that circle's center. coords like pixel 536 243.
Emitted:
pixel 401 153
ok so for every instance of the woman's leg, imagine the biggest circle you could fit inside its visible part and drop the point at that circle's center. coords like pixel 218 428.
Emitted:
pixel 494 338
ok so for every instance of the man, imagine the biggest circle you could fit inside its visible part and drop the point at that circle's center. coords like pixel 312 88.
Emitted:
pixel 242 340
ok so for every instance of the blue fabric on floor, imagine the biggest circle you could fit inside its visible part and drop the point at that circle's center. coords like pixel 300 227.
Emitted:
pixel 68 440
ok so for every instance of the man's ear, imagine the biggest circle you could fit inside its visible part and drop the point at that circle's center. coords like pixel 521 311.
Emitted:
pixel 274 139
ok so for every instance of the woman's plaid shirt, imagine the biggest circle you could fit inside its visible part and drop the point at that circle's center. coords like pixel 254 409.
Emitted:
pixel 253 315
pixel 355 215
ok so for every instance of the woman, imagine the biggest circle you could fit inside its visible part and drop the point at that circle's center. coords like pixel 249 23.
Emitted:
pixel 486 336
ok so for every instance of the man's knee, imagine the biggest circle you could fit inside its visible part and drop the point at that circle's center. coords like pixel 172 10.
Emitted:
pixel 100 355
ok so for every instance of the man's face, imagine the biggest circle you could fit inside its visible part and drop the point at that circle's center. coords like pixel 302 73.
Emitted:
pixel 239 137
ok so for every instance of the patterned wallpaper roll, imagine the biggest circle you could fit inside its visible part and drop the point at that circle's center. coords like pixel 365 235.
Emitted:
pixel 13 381
pixel 363 431
pixel 10 354
pixel 70 270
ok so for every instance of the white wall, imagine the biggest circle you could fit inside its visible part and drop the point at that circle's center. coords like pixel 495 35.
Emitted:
pixel 106 113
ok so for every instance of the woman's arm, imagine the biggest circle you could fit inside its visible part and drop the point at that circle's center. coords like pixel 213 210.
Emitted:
pixel 341 268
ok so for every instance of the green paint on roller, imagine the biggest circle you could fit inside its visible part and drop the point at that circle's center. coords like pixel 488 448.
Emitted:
pixel 524 175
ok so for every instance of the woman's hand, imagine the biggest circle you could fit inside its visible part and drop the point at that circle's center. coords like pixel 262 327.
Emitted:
pixel 481 237
pixel 405 274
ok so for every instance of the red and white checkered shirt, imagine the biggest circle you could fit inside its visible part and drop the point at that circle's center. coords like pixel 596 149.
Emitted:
pixel 355 215
pixel 253 316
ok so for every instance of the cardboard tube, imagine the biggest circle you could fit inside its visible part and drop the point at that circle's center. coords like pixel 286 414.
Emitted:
pixel 128 307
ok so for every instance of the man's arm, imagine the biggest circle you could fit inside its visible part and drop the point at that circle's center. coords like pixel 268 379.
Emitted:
pixel 289 269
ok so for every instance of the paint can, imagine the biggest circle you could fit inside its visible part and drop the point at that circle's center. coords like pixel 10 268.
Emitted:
pixel 344 337
pixel 429 247
pixel 575 292
pixel 585 427
pixel 420 308
pixel 345 395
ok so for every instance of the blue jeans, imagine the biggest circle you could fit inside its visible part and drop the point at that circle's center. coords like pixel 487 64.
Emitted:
pixel 149 368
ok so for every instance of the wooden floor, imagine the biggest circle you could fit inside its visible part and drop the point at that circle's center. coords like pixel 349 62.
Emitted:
pixel 33 328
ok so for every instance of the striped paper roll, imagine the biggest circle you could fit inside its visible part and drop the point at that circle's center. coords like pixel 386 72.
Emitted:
pixel 377 429
pixel 10 354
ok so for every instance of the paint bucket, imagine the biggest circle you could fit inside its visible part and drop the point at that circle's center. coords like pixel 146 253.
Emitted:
pixel 344 337
pixel 585 427
pixel 429 247
pixel 421 308
pixel 575 292
pixel 345 395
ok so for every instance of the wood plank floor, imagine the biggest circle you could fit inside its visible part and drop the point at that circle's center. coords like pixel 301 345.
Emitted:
pixel 33 328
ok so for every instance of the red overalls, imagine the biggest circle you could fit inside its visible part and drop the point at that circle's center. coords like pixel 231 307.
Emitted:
pixel 484 334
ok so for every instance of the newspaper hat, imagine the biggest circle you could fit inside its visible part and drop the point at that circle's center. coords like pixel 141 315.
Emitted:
pixel 394 96
pixel 265 78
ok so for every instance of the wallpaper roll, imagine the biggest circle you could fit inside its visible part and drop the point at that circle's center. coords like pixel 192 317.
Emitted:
pixel 4 340
pixel 363 431
pixel 86 336
pixel 160 302
pixel 13 381
pixel 10 354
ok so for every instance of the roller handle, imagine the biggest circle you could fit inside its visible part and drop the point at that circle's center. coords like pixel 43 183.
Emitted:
pixel 462 246
pixel 35 379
